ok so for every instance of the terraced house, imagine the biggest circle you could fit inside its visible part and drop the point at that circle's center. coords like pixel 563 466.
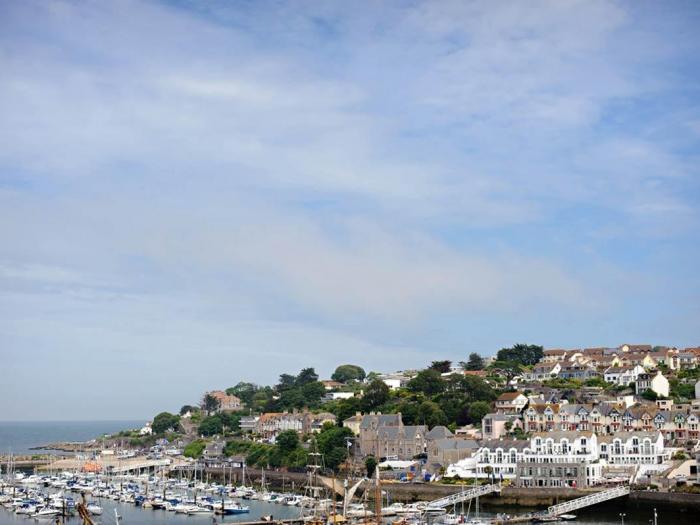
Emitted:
pixel 675 424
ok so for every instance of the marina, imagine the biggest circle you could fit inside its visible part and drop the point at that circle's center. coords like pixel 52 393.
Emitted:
pixel 67 496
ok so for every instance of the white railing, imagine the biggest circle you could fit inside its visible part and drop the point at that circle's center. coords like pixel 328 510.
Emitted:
pixel 465 495
pixel 586 501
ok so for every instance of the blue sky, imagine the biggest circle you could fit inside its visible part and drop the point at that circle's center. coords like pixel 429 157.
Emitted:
pixel 196 193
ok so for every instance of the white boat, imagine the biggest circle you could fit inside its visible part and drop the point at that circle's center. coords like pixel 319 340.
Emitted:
pixel 180 508
pixel 294 501
pixel 26 509
pixel 357 510
pixel 195 510
pixel 94 509
pixel 46 514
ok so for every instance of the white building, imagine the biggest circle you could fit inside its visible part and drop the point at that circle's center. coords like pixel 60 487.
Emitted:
pixel 655 382
pixel 633 448
pixel 511 402
pixel 333 396
pixel 394 381
pixel 146 430
pixel 496 457
pixel 561 458
pixel 623 375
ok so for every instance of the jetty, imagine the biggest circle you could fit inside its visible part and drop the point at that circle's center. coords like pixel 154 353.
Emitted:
pixel 587 501
pixel 465 495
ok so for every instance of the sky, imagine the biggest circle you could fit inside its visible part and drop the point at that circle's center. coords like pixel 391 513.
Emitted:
pixel 198 193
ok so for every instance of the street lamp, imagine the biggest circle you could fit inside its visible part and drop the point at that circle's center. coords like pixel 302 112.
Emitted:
pixel 622 518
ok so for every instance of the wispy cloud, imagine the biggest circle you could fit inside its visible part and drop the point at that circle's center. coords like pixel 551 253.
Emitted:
pixel 398 180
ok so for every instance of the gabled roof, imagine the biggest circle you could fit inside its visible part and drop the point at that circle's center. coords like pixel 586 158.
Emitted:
pixel 540 408
pixel 439 432
pixel 555 351
pixel 562 434
pixel 381 420
pixel 456 444
pixel 509 396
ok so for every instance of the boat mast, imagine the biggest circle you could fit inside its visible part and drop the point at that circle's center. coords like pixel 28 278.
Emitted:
pixel 378 497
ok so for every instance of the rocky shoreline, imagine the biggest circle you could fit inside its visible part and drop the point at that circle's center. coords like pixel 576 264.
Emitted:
pixel 68 446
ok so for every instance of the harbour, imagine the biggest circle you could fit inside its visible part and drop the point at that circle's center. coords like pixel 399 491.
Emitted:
pixel 157 498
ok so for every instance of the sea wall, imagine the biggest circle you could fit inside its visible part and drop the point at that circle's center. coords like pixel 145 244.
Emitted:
pixel 509 496
pixel 676 500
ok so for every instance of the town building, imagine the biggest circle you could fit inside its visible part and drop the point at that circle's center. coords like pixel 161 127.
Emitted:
pixel 511 402
pixel 633 448
pixel 226 402
pixel 495 426
pixel 656 382
pixel 623 375
pixel 249 423
pixel 353 423
pixel 543 371
pixel 560 459
pixel 385 436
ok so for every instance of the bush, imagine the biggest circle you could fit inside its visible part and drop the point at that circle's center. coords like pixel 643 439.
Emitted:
pixel 195 449
pixel 164 422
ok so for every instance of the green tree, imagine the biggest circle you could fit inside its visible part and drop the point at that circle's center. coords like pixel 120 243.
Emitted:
pixel 313 392
pixel 286 382
pixel 262 399
pixel 194 449
pixel 287 441
pixel 441 366
pixel 370 465
pixel 428 382
pixel 210 426
pixel 521 353
pixel 244 391
pixel 346 408
pixel 188 408
pixel 507 369
pixel 475 362
pixel 681 391
pixel 332 443
pixel 471 388
pixel 345 373
pixel 596 381
pixel 307 375
pixel 165 422
pixel 376 394
pixel 477 410
pixel 211 404
pixel 430 413
pixel 650 395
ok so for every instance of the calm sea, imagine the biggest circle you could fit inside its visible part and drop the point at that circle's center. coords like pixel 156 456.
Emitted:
pixel 18 437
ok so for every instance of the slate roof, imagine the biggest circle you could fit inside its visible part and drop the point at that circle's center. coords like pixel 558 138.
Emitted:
pixel 439 432
pixel 381 420
pixel 627 435
pixel 457 444
pixel 505 444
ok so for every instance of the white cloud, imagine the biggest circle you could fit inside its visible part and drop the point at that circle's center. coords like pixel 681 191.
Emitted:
pixel 336 177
